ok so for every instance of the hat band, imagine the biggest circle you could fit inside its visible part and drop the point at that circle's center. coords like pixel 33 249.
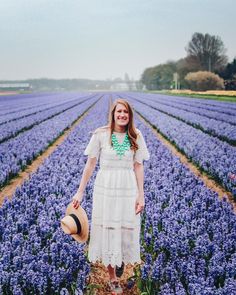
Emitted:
pixel 78 224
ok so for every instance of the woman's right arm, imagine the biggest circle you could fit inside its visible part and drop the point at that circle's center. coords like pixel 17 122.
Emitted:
pixel 88 171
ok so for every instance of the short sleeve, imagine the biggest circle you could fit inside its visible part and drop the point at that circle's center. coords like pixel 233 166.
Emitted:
pixel 142 153
pixel 93 147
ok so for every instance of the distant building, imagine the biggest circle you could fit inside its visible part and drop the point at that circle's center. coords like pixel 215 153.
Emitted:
pixel 15 86
pixel 123 86
pixel 119 86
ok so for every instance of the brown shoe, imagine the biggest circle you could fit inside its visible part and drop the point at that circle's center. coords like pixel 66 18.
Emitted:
pixel 120 270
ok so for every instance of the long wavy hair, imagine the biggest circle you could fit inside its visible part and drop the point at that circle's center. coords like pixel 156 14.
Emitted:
pixel 130 128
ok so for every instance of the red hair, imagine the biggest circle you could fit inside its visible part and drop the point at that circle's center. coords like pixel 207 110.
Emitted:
pixel 130 128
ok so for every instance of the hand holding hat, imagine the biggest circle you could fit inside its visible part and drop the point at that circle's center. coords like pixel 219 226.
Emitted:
pixel 75 223
pixel 77 199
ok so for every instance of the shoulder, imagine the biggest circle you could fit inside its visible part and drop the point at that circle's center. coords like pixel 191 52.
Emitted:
pixel 101 129
pixel 138 132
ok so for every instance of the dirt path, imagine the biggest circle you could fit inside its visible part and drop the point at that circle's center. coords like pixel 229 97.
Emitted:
pixel 211 184
pixel 99 275
pixel 10 189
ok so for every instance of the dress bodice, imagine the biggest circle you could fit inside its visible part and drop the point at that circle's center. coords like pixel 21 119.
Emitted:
pixel 99 147
pixel 108 156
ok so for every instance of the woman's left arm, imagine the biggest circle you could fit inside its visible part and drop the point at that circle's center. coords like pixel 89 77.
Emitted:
pixel 139 173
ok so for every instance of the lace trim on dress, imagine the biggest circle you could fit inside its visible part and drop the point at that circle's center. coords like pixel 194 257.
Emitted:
pixel 112 258
pixel 116 224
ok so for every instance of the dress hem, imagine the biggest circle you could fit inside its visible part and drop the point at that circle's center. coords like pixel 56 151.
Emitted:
pixel 99 260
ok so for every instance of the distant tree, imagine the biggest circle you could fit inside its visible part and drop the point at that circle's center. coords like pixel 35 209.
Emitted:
pixel 149 78
pixel 229 71
pixel 118 79
pixel 206 52
pixel 126 78
pixel 139 85
pixel 183 67
pixel 229 75
pixel 203 80
pixel 159 77
pixel 128 82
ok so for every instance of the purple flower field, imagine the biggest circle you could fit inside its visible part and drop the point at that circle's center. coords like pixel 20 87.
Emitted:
pixel 19 151
pixel 212 155
pixel 196 105
pixel 187 237
pixel 35 255
pixel 17 107
pixel 215 127
pixel 12 128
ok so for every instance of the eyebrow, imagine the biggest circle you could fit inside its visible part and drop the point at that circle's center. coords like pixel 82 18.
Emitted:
pixel 122 109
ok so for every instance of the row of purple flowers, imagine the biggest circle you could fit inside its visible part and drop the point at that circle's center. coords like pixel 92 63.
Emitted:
pixel 205 104
pixel 222 130
pixel 18 152
pixel 12 128
pixel 21 105
pixel 29 96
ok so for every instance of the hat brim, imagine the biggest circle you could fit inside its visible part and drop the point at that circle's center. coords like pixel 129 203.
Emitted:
pixel 82 216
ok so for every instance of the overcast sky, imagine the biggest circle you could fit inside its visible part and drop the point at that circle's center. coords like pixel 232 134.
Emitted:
pixel 104 39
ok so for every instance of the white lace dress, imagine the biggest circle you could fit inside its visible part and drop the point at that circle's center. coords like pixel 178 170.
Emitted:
pixel 115 228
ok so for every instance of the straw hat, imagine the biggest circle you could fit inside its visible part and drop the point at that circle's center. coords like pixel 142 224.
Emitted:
pixel 75 223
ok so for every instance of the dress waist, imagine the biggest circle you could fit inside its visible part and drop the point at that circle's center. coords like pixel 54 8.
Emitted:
pixel 116 168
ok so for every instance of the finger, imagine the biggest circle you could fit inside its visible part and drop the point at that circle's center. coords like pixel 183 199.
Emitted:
pixel 137 210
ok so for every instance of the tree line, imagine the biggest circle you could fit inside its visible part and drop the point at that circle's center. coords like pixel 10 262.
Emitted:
pixel 205 67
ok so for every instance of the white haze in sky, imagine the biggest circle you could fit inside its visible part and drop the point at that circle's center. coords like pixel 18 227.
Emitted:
pixel 104 39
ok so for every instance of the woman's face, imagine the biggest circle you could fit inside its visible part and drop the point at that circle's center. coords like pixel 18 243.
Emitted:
pixel 121 115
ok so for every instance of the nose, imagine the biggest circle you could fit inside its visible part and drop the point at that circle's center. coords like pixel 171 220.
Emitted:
pixel 122 114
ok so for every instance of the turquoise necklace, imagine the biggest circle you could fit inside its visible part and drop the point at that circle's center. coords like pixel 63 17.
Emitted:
pixel 120 148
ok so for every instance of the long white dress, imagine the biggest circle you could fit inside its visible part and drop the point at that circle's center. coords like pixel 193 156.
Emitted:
pixel 115 228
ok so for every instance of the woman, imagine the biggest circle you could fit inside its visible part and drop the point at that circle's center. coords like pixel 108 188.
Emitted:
pixel 118 195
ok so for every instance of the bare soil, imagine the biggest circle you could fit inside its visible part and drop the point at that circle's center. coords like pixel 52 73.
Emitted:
pixel 99 276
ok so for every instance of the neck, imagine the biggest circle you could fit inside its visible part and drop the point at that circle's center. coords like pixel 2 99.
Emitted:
pixel 119 129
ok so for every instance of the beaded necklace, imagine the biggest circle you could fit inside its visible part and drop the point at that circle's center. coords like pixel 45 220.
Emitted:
pixel 120 148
